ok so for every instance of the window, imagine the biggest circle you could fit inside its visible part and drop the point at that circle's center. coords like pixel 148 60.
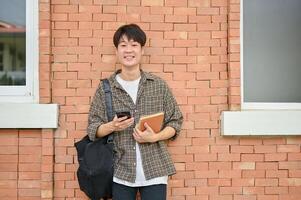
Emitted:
pixel 271 54
pixel 19 68
pixel 270 63
pixel 19 51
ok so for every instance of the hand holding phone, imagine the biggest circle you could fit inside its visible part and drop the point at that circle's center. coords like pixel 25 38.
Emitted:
pixel 124 114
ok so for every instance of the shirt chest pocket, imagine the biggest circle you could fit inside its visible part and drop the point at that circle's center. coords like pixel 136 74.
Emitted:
pixel 151 104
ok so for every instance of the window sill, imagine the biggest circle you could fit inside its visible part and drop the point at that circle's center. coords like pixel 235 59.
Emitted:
pixel 28 115
pixel 261 123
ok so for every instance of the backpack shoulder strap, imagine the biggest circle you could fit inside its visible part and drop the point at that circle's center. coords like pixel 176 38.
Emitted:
pixel 109 104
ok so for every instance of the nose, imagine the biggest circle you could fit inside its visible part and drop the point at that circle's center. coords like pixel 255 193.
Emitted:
pixel 128 48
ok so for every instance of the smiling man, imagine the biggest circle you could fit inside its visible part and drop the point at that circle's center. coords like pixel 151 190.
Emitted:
pixel 142 162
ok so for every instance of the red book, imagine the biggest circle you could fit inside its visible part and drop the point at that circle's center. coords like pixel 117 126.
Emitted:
pixel 155 121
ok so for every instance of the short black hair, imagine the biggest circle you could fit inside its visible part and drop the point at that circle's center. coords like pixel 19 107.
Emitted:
pixel 132 32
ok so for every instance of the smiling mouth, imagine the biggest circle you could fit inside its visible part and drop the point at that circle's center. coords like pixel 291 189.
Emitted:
pixel 128 57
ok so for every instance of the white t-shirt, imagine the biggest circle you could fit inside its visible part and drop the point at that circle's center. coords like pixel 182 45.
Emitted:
pixel 131 87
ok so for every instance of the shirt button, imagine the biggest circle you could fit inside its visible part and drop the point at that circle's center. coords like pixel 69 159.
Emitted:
pixel 134 164
pixel 134 147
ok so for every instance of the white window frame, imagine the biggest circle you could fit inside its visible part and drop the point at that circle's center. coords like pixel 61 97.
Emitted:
pixel 19 105
pixel 260 119
pixel 30 92
pixel 257 105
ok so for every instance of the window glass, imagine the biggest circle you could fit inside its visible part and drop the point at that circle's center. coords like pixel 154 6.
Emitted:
pixel 271 51
pixel 12 42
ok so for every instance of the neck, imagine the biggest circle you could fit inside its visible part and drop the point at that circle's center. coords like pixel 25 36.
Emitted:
pixel 130 75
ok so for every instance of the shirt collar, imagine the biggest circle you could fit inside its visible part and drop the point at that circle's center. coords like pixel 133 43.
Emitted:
pixel 144 77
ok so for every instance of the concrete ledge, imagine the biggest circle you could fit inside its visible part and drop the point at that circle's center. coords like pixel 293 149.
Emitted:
pixel 19 115
pixel 261 122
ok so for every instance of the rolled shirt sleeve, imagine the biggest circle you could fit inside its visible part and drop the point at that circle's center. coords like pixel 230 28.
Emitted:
pixel 173 115
pixel 97 113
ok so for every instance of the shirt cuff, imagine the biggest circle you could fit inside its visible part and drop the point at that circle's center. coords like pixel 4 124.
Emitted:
pixel 92 130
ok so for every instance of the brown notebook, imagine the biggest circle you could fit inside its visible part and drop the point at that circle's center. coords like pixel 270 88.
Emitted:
pixel 155 121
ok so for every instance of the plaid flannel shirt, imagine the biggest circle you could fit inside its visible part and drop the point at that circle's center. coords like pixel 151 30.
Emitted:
pixel 153 96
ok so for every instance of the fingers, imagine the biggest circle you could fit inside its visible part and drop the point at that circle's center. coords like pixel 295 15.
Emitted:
pixel 137 136
pixel 148 128
pixel 122 123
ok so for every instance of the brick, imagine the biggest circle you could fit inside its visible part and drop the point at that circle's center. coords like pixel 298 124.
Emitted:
pixel 218 3
pixel 198 3
pixel 277 173
pixel 182 158
pixel 243 182
pixel 8 193
pixel 184 11
pixel 175 35
pixel 207 11
pixel 292 173
pixel 197 149
pixel 29 176
pixel 265 148
pixel 185 27
pixel 230 190
pixel 30 158
pixel 276 157
pixel 181 175
pixel 161 10
pixel 161 26
pixel 289 165
pixel 161 43
pixel 152 2
pixel 59 16
pixel 220 165
pixel 197 166
pixel 195 182
pixel 8 167
pixel 185 43
pixel 219 182
pixel 207 190
pixel 276 190
pixel 8 175
pixel 229 173
pixel 29 184
pixel 242 149
pixel 65 25
pixel 290 182
pixel 228 157
pixel 266 165
pixel 288 148
pixel 253 190
pixel 185 59
pixel 65 8
pixel 266 182
pixel 294 156
pixel 244 165
pixel 8 150
pixel 252 157
pixel 183 191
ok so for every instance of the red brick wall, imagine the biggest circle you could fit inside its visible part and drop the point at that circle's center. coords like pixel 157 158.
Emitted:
pixel 194 46
pixel 20 164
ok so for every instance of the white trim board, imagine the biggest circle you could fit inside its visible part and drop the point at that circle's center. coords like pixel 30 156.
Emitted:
pixel 28 115
pixel 261 123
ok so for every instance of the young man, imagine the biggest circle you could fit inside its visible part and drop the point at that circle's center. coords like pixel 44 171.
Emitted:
pixel 142 161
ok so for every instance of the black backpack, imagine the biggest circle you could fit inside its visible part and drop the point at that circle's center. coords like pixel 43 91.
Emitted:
pixel 95 158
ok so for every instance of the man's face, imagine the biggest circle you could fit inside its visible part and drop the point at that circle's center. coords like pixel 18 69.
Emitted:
pixel 129 52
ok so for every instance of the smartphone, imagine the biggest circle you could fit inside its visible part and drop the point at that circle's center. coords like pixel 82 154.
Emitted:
pixel 123 114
